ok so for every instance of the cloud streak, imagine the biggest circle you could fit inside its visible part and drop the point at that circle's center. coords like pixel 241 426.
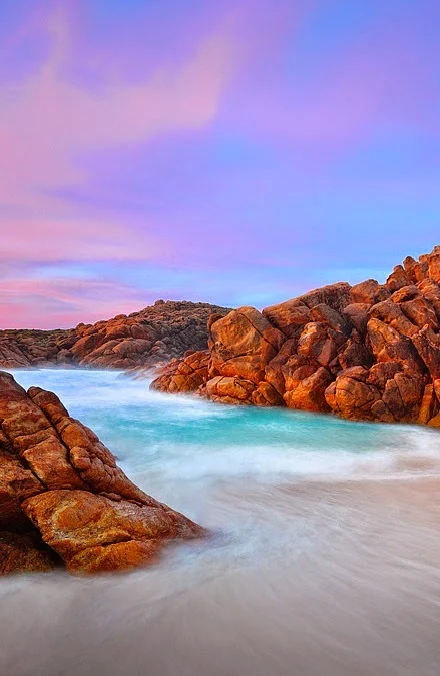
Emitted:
pixel 215 151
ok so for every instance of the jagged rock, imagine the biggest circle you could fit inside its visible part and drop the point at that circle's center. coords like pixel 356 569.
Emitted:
pixel 185 375
pixel 373 348
pixel 274 373
pixel 397 279
pixel 429 407
pixel 230 390
pixel 388 344
pixel 25 553
pixel 58 478
pixel 427 343
pixel 243 343
pixel 369 292
pixel 309 393
pixel 152 336
pixel 357 314
pixel 289 317
pixel 353 353
pixel 266 395
pixel 320 342
pixel 351 396
pixel 336 296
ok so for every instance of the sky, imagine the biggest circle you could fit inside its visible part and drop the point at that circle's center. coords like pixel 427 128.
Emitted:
pixel 239 152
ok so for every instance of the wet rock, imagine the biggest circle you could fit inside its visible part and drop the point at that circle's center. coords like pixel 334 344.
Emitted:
pixel 183 375
pixel 59 482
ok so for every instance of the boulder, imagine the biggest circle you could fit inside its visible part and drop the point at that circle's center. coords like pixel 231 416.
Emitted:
pixel 309 393
pixel 230 389
pixel 351 397
pixel 25 553
pixel 367 352
pixel 61 489
pixel 183 375
pixel 243 343
pixel 369 292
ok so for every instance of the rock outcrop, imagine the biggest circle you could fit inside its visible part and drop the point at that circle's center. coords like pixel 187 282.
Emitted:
pixel 63 499
pixel 142 339
pixel 365 352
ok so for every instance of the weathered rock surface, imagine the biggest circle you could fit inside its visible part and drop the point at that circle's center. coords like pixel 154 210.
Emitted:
pixel 25 553
pixel 154 335
pixel 184 375
pixel 366 352
pixel 63 498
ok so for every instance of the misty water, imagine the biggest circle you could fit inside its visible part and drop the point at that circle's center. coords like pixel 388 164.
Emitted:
pixel 324 559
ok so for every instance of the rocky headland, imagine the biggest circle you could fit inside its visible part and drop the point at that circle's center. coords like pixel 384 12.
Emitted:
pixel 142 339
pixel 365 352
pixel 64 501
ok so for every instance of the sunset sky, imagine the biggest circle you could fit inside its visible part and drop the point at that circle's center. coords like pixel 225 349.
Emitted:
pixel 230 151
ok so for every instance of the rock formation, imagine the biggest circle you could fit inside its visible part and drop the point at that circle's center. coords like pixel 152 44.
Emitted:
pixel 142 339
pixel 365 352
pixel 63 499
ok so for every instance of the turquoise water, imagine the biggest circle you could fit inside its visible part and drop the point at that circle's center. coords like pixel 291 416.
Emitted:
pixel 324 558
pixel 189 439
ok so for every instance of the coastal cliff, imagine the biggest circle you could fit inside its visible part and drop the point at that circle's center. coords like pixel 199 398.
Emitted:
pixel 64 501
pixel 154 335
pixel 365 352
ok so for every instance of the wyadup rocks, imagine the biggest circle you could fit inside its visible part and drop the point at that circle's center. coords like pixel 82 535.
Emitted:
pixel 154 335
pixel 63 499
pixel 365 352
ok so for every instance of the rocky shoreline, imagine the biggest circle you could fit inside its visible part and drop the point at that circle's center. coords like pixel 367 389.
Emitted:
pixel 365 352
pixel 63 500
pixel 142 339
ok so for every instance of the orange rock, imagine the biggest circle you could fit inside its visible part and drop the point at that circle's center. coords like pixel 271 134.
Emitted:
pixel 266 395
pixel 429 407
pixel 309 394
pixel 80 526
pixel 397 279
pixel 380 342
pixel 230 389
pixel 56 475
pixel 152 336
pixel 183 375
pixel 25 553
pixel 243 343
pixel 351 397
pixel 289 317
pixel 369 292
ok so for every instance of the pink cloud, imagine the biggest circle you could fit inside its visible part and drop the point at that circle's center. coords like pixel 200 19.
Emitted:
pixel 38 303
pixel 70 238
pixel 46 120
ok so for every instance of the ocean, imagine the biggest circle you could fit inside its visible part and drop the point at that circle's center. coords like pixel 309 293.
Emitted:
pixel 324 558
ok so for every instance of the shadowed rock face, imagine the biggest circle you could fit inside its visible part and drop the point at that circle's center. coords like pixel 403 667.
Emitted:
pixel 64 500
pixel 364 352
pixel 142 339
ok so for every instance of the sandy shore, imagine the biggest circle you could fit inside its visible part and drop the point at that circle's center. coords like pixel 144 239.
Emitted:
pixel 357 592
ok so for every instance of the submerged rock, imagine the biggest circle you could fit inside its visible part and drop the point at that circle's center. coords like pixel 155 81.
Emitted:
pixel 63 498
pixel 367 352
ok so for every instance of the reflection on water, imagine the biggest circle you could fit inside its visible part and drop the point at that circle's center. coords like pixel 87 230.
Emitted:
pixel 324 560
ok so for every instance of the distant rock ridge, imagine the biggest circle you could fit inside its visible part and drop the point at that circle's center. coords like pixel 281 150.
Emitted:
pixel 365 352
pixel 153 335
pixel 63 499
